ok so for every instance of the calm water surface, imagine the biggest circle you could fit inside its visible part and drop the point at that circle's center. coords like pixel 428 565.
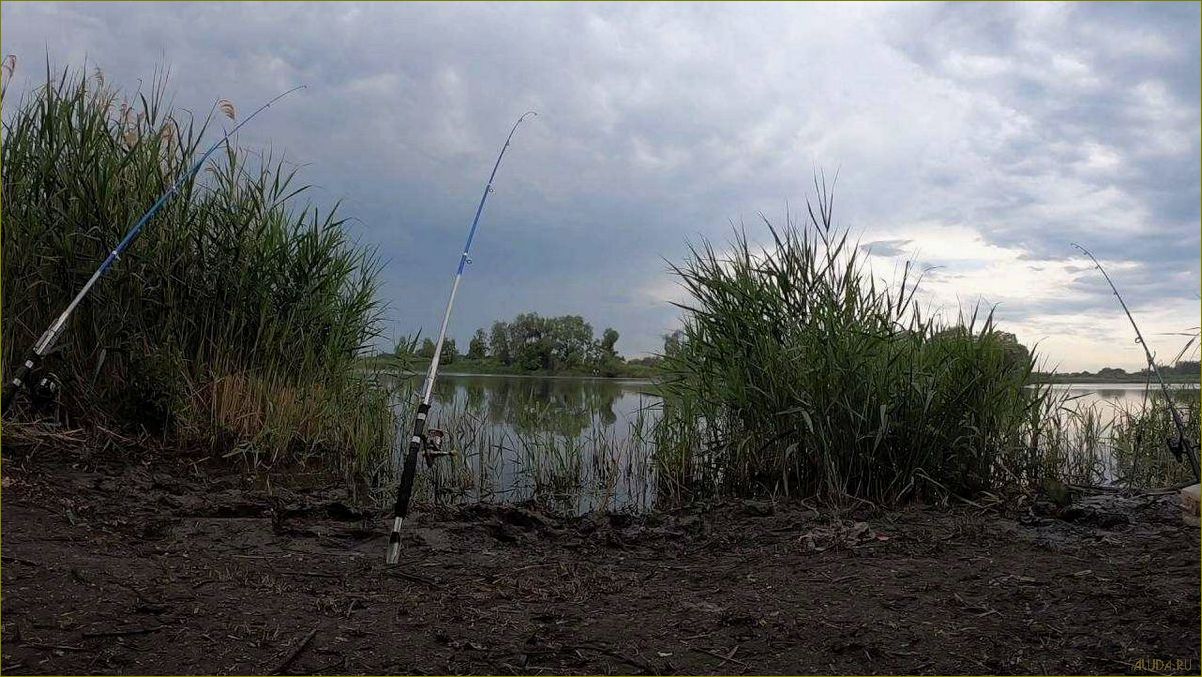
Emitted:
pixel 1112 397
pixel 578 444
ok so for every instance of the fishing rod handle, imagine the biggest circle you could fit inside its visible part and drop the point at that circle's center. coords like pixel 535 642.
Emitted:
pixel 405 490
pixel 14 385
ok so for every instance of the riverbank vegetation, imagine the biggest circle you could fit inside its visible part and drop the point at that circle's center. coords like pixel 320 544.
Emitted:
pixel 567 446
pixel 800 373
pixel 235 320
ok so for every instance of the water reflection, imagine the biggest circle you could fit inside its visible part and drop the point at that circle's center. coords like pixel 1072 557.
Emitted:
pixel 573 444
pixel 1120 396
pixel 533 405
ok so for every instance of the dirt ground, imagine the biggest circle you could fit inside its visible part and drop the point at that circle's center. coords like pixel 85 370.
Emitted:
pixel 154 568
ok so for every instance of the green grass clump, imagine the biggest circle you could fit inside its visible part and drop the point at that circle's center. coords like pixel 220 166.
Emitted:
pixel 234 319
pixel 801 374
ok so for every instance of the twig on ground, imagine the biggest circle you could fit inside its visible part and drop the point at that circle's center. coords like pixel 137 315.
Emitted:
pixel 19 560
pixel 311 574
pixel 609 652
pixel 413 577
pixel 60 647
pixel 729 657
pixel 296 652
pixel 123 632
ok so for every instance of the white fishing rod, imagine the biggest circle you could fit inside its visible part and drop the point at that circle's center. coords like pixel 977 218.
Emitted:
pixel 418 442
pixel 46 343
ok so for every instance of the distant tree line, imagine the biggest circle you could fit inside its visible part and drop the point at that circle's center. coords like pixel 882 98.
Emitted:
pixel 531 342
pixel 1180 368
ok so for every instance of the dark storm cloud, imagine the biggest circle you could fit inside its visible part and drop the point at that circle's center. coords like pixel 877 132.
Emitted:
pixel 1031 125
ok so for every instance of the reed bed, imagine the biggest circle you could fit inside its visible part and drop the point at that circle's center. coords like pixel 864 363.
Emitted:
pixel 234 320
pixel 799 373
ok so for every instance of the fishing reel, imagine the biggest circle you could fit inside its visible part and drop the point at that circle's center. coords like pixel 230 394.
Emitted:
pixel 1176 446
pixel 432 445
pixel 1184 450
pixel 1181 447
pixel 44 389
pixel 41 386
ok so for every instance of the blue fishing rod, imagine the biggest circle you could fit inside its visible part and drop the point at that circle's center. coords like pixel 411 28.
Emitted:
pixel 419 441
pixel 46 343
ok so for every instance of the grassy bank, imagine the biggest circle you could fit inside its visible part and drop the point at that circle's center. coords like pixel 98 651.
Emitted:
pixel 232 322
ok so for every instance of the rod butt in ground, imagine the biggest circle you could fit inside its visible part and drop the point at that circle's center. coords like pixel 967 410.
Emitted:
pixel 394 542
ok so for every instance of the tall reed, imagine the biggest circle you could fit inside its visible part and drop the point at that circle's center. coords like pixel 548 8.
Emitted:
pixel 1139 448
pixel 799 373
pixel 237 315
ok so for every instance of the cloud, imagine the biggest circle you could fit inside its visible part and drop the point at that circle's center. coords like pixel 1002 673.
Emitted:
pixel 983 140
pixel 886 247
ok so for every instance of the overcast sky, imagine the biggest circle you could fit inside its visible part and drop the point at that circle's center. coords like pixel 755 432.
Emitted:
pixel 981 139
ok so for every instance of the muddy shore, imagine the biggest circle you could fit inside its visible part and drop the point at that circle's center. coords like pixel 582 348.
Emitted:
pixel 139 566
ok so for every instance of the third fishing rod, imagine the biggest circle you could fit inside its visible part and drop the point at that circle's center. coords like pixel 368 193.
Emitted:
pixel 419 441
pixel 1183 445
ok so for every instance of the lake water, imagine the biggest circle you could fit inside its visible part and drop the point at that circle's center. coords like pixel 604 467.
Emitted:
pixel 580 444
pixel 1111 395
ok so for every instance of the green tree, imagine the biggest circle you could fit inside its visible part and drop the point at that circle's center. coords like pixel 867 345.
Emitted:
pixel 609 339
pixel 530 342
pixel 498 342
pixel 1019 355
pixel 477 348
pixel 673 342
pixel 427 349
pixel 1186 367
pixel 449 353
pixel 570 338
